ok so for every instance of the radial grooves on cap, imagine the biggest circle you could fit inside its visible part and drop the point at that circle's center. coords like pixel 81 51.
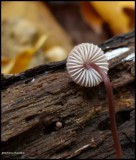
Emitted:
pixel 78 57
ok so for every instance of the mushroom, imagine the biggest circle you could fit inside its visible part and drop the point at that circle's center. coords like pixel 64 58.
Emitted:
pixel 58 125
pixel 87 66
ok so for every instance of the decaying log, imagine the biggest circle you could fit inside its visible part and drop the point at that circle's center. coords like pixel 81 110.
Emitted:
pixel 34 100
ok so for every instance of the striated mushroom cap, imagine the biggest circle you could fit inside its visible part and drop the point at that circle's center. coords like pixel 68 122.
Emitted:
pixel 78 64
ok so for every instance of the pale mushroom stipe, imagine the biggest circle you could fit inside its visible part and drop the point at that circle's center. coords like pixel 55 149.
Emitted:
pixel 87 66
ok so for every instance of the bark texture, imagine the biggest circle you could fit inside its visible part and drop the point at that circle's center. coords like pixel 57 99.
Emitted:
pixel 34 100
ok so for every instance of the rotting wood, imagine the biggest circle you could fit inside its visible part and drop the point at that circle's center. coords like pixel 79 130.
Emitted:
pixel 34 100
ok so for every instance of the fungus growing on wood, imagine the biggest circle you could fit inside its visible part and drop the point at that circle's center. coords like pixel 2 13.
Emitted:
pixel 58 125
pixel 87 66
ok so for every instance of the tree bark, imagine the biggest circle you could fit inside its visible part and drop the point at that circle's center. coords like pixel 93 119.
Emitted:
pixel 34 100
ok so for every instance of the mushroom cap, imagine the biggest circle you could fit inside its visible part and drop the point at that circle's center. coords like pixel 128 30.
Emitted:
pixel 81 55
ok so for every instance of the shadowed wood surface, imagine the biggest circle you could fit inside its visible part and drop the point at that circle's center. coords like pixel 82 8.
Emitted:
pixel 34 100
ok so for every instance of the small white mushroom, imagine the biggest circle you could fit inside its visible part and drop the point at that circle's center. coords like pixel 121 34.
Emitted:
pixel 87 66
pixel 58 125
pixel 78 68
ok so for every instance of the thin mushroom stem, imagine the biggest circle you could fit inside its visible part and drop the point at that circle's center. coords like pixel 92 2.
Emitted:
pixel 109 91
